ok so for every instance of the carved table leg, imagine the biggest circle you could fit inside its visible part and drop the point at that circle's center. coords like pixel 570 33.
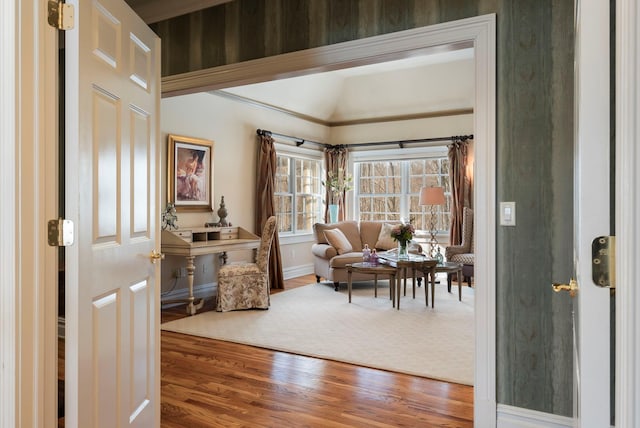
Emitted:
pixel 192 305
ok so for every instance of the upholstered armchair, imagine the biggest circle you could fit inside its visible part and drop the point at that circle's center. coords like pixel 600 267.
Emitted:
pixel 246 285
pixel 464 253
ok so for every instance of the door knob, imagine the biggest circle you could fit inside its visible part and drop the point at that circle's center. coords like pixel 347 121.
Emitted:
pixel 155 256
pixel 571 287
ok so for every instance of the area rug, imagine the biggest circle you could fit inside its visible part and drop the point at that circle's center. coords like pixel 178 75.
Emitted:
pixel 316 321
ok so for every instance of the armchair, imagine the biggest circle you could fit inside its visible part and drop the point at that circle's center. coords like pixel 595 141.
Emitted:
pixel 246 285
pixel 464 253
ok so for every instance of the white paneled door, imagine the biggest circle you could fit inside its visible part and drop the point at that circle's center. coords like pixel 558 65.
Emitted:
pixel 112 90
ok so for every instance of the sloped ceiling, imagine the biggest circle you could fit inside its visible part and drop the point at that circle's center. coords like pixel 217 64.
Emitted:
pixel 442 82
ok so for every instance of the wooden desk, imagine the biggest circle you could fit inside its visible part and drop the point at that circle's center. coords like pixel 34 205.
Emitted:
pixel 193 242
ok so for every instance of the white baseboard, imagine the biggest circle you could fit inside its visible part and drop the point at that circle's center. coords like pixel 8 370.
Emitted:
pixel 207 290
pixel 517 417
pixel 296 271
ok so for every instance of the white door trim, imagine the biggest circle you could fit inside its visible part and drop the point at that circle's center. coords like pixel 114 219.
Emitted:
pixel 28 193
pixel 9 332
pixel 627 212
pixel 479 32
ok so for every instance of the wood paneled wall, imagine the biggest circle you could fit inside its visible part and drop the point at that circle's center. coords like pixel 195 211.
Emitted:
pixel 534 146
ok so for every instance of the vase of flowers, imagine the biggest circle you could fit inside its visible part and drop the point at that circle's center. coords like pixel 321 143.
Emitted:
pixel 337 183
pixel 403 233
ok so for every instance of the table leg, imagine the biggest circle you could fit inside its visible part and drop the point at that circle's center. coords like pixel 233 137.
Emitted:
pixel 433 285
pixel 398 289
pixel 392 289
pixel 427 274
pixel 413 273
pixel 192 305
pixel 404 275
pixel 375 285
pixel 349 282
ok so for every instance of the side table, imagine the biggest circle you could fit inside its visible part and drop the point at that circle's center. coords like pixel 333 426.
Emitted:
pixel 451 268
pixel 374 270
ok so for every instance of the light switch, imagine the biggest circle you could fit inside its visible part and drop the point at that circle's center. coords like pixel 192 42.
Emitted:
pixel 507 213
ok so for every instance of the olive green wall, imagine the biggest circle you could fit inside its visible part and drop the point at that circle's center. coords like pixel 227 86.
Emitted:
pixel 534 146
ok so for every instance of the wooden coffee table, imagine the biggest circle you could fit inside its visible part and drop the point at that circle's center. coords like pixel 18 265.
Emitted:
pixel 375 270
pixel 414 263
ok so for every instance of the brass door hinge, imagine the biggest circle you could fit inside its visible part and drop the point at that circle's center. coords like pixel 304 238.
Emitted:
pixel 60 233
pixel 603 261
pixel 60 15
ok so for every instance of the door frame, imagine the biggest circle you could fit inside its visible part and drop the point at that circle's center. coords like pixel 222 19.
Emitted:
pixel 627 389
pixel 477 32
pixel 29 192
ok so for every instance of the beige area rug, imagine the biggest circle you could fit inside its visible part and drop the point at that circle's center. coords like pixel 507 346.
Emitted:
pixel 316 321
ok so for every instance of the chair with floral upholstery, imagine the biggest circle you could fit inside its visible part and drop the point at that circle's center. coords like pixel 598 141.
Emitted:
pixel 246 285
pixel 464 253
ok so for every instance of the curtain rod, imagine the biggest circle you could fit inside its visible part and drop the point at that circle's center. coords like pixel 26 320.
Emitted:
pixel 401 143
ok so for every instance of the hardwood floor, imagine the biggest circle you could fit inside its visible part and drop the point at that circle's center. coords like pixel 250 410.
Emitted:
pixel 211 383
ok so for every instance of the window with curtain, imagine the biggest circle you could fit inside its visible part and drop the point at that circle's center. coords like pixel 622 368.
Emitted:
pixel 298 193
pixel 390 190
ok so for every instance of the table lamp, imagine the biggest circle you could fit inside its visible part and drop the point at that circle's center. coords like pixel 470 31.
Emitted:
pixel 432 196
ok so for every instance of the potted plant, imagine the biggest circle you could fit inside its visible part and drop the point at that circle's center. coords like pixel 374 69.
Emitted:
pixel 337 183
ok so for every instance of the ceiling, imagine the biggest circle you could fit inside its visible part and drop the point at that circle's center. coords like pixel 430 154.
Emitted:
pixel 420 86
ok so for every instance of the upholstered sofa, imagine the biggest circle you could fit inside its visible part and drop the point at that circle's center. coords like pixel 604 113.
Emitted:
pixel 331 258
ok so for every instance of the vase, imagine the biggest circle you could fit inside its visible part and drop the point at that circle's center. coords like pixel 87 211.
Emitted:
pixel 403 254
pixel 333 213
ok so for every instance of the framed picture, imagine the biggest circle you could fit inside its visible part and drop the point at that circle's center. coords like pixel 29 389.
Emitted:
pixel 190 173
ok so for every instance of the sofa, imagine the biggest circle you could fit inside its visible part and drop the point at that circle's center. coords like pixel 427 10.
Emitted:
pixel 332 254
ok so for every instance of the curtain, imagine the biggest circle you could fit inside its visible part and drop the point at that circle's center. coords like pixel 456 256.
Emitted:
pixel 461 187
pixel 264 204
pixel 336 160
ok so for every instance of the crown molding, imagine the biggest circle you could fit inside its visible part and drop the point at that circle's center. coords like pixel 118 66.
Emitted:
pixel 336 123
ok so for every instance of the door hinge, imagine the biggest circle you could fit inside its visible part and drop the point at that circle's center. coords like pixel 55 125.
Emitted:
pixel 60 15
pixel 603 261
pixel 60 233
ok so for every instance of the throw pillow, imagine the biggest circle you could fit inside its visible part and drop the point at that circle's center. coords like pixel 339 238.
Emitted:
pixel 385 241
pixel 338 240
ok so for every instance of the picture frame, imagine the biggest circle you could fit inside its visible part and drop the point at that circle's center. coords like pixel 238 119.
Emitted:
pixel 190 173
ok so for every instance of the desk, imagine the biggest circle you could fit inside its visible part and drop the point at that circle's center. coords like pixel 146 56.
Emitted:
pixel 194 242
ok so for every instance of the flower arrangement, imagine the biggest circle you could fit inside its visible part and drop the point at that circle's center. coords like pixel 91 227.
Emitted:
pixel 337 183
pixel 403 233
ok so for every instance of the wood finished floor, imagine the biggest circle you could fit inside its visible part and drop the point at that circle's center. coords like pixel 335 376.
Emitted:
pixel 211 383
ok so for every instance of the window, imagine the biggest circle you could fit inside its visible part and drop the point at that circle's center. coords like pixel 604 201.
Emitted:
pixel 298 193
pixel 390 190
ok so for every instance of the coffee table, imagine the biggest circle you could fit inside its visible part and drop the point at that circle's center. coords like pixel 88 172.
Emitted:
pixel 375 270
pixel 415 262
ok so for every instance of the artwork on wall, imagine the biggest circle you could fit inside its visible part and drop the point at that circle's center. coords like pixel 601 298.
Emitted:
pixel 190 173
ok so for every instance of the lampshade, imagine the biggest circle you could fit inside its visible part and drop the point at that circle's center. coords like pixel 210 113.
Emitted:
pixel 432 196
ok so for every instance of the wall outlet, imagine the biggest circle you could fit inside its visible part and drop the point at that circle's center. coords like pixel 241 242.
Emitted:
pixel 180 272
